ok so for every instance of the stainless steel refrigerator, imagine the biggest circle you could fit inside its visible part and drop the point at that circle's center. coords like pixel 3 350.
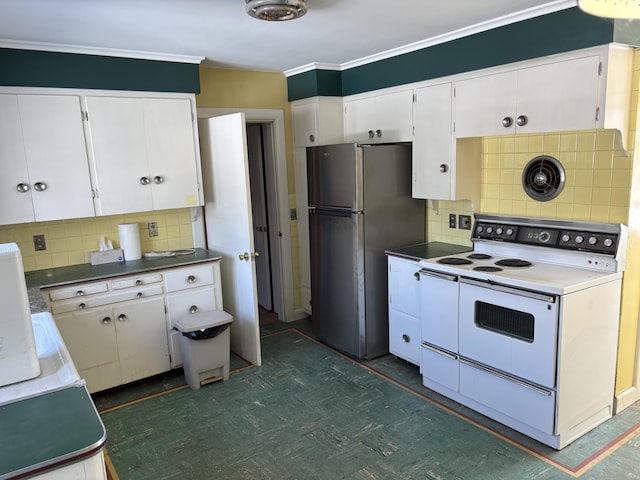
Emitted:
pixel 359 205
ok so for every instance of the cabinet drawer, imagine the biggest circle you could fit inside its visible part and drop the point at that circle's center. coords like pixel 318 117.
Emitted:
pixel 136 281
pixel 76 291
pixel 440 370
pixel 135 293
pixel 84 303
pixel 181 304
pixel 189 277
pixel 404 336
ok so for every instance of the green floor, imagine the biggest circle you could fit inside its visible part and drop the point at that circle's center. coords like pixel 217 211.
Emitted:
pixel 309 412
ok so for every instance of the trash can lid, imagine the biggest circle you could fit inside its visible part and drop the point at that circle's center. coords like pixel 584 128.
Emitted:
pixel 202 320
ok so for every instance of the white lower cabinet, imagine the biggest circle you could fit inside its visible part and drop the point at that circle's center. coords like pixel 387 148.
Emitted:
pixel 120 330
pixel 404 308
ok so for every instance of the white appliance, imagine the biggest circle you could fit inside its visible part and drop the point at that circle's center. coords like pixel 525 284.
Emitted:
pixel 524 329
pixel 18 356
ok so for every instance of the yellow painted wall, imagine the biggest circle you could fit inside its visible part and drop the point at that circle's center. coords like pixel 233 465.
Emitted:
pixel 70 241
pixel 602 185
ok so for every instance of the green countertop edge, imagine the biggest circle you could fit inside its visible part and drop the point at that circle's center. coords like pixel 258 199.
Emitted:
pixel 55 277
pixel 422 251
pixel 68 428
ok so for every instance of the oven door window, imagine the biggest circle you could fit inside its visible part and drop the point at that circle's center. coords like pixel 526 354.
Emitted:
pixel 506 321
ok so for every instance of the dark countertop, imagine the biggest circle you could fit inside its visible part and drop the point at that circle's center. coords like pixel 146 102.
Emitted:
pixel 49 431
pixel 427 250
pixel 55 277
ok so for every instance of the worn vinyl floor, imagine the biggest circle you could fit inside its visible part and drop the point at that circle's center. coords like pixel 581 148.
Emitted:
pixel 311 413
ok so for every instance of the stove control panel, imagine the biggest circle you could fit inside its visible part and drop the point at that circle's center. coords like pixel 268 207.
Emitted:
pixel 585 241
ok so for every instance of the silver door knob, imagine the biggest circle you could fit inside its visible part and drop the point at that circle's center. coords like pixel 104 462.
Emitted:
pixel 122 317
pixel 193 309
pixel 370 133
pixel 378 133
pixel 158 179
pixel 443 168
pixel 22 187
pixel 39 186
pixel 106 320
pixel 507 122
pixel 144 181
pixel 522 120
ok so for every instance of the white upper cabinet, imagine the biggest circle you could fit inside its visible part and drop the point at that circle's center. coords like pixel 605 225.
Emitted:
pixel 576 91
pixel 443 168
pixel 144 154
pixel 317 121
pixel 379 118
pixel 43 159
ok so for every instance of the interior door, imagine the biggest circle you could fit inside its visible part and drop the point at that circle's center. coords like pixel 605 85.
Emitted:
pixel 259 210
pixel 229 225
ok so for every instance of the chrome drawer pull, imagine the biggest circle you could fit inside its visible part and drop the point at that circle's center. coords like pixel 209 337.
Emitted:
pixel 139 282
pixel 79 293
pixel 106 320
pixel 406 338
pixel 122 317
pixel 139 295
pixel 193 309
pixel 191 279
pixel 82 305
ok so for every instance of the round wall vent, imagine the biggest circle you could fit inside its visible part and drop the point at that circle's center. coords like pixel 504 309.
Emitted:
pixel 276 10
pixel 543 178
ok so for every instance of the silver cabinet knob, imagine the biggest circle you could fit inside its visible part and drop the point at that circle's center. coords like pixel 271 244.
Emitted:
pixel 443 168
pixel 122 317
pixel 144 181
pixel 406 338
pixel 378 133
pixel 22 187
pixel 82 305
pixel 507 122
pixel 39 186
pixel 158 179
pixel 312 138
pixel 522 120
pixel 106 320
pixel 371 133
pixel 193 309
pixel 79 293
pixel 416 276
pixel 138 282
pixel 139 295
pixel 191 279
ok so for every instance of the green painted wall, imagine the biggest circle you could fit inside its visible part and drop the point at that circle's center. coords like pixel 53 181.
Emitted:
pixel 561 31
pixel 31 68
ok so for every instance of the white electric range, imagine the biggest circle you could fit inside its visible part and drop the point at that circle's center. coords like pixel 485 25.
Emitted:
pixel 524 328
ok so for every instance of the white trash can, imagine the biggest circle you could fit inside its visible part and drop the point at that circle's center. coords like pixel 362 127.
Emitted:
pixel 205 346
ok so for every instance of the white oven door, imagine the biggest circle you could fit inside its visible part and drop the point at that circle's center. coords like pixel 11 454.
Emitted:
pixel 512 330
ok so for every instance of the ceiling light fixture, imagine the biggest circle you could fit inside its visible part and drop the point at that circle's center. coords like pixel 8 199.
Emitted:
pixel 276 10
pixel 611 8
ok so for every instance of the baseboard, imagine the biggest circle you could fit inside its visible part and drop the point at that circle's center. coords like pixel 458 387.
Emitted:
pixel 624 400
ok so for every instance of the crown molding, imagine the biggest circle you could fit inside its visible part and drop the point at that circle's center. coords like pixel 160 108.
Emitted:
pixel 545 9
pixel 105 52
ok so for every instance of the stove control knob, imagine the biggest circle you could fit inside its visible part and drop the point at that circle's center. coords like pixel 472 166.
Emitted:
pixel 593 240
pixel 608 242
pixel 579 239
pixel 489 229
pixel 566 237
pixel 544 237
pixel 479 229
pixel 509 232
pixel 499 230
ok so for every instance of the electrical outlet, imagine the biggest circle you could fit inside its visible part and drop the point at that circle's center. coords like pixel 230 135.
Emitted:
pixel 464 222
pixel 452 220
pixel 153 229
pixel 39 243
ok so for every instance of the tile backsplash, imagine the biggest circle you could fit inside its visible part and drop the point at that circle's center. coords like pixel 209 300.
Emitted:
pixel 70 241
pixel 597 186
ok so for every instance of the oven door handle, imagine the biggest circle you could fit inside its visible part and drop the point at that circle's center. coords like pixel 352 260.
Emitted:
pixel 440 275
pixel 505 289
pixel 504 376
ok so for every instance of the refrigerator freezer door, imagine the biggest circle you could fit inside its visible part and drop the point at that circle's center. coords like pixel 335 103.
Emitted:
pixel 334 173
pixel 337 279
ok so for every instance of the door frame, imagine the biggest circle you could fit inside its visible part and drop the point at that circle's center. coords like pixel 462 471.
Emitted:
pixel 275 118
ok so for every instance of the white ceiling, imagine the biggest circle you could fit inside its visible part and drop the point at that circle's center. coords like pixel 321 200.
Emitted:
pixel 335 32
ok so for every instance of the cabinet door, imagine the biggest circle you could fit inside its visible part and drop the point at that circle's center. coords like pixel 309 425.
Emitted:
pixel 481 104
pixel 559 96
pixel 432 143
pixel 173 161
pixel 15 205
pixel 305 124
pixel 119 155
pixel 142 338
pixel 394 117
pixel 360 119
pixel 404 286
pixel 90 336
